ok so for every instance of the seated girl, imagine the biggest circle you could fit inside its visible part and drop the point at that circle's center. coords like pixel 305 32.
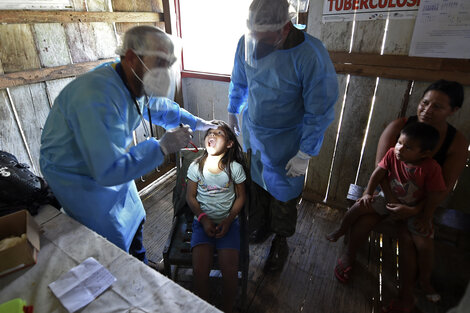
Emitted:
pixel 216 194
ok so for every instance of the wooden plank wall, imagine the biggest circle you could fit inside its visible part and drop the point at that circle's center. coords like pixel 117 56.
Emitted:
pixel 367 103
pixel 42 51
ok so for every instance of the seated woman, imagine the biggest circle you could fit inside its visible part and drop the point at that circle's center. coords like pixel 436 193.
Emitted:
pixel 440 101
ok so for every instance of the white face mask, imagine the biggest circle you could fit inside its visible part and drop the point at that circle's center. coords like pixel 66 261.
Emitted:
pixel 157 81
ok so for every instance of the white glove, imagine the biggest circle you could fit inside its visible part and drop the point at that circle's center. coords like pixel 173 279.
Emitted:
pixel 297 166
pixel 233 123
pixel 204 125
pixel 175 139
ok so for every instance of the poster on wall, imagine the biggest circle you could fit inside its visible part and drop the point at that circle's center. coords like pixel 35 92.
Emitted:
pixel 362 10
pixel 442 29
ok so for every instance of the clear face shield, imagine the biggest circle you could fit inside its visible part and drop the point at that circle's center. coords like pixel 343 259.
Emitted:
pixel 265 28
pixel 259 44
pixel 159 79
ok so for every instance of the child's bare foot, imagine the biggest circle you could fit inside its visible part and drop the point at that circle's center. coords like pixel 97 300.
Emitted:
pixel 334 236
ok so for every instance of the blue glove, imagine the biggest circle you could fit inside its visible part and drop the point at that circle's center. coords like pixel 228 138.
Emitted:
pixel 297 166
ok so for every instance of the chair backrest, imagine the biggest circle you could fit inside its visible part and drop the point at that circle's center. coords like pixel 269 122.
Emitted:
pixel 184 159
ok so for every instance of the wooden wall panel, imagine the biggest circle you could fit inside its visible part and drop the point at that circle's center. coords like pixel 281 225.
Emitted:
pixel 351 134
pixel 314 20
pixel 32 106
pixel 81 42
pixel 53 88
pixel 137 6
pixel 98 5
pixel 78 5
pixel 17 48
pixel 51 43
pixel 399 35
pixel 368 36
pixel 10 135
pixel 105 40
pixel 337 36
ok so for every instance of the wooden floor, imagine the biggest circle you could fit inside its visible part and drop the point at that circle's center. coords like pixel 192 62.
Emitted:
pixel 307 283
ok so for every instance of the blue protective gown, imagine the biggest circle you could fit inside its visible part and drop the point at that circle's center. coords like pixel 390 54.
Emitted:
pixel 87 155
pixel 287 103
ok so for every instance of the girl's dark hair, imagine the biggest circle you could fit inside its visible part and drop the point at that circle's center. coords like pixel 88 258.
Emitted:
pixel 235 153
pixel 453 90
pixel 426 135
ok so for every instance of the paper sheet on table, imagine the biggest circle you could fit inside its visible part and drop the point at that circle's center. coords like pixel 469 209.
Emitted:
pixel 82 284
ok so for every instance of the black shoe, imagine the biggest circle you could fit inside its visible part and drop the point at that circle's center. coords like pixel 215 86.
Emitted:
pixel 277 255
pixel 260 235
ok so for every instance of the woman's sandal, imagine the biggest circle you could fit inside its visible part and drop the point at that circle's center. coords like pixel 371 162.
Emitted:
pixel 393 307
pixel 341 272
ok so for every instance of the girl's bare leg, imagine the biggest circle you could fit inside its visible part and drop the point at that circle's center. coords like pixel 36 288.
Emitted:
pixel 228 259
pixel 202 264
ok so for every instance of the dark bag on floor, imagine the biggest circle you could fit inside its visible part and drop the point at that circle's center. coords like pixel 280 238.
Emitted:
pixel 20 188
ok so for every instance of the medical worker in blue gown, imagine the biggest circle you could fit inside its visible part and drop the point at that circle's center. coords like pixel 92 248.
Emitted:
pixel 87 152
pixel 284 86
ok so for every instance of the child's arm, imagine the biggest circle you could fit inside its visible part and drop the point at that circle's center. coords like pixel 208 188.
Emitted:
pixel 237 206
pixel 374 180
pixel 206 222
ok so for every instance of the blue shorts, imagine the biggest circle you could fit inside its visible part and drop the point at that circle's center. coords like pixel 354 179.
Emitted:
pixel 231 240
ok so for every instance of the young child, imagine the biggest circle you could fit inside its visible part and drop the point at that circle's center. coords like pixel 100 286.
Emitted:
pixel 216 194
pixel 412 175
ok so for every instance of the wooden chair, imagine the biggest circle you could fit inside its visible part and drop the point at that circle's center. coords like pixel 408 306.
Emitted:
pixel 177 250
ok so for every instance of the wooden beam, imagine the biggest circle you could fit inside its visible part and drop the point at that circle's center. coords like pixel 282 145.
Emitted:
pixel 46 74
pixel 401 67
pixel 462 65
pixel 402 73
pixel 30 17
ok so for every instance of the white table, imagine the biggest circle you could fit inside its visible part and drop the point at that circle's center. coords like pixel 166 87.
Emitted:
pixel 64 244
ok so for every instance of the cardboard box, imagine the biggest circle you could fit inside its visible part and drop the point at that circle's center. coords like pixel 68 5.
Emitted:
pixel 25 253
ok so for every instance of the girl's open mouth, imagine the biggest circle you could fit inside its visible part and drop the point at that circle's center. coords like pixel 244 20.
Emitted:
pixel 211 142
